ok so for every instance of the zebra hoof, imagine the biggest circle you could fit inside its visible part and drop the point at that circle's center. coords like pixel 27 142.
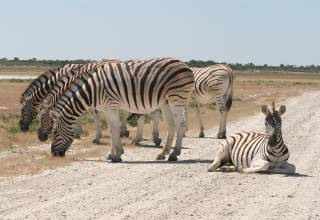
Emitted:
pixel 109 157
pixel 221 136
pixel 116 159
pixel 96 141
pixel 135 142
pixel 172 157
pixel 201 135
pixel 161 157
pixel 125 134
pixel 157 141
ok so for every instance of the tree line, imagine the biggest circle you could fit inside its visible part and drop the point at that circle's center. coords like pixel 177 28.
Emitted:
pixel 4 62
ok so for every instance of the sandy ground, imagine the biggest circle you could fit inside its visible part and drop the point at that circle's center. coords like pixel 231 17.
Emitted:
pixel 142 188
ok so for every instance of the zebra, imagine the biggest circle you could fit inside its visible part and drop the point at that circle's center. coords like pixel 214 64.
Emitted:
pixel 46 122
pixel 138 86
pixel 34 94
pixel 251 152
pixel 213 83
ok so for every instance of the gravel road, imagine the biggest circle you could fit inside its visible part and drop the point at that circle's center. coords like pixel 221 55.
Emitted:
pixel 142 188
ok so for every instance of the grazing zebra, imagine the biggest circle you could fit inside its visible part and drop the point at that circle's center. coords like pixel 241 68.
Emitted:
pixel 251 152
pixel 213 83
pixel 35 93
pixel 140 86
pixel 49 102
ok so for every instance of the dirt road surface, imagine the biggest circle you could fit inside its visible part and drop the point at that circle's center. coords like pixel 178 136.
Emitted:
pixel 142 188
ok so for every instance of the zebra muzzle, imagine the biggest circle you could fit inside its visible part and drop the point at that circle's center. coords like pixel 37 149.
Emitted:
pixel 59 152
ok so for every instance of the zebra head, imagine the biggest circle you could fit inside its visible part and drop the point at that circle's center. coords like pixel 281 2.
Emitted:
pixel 28 112
pixel 63 134
pixel 46 123
pixel 273 121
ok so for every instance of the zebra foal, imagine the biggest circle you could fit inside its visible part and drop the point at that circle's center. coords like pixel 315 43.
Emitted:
pixel 250 152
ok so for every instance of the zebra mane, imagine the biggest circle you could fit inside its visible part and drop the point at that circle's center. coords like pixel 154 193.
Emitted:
pixel 66 96
pixel 31 89
pixel 69 77
pixel 273 107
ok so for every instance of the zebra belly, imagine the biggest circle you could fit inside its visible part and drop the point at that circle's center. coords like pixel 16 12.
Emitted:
pixel 140 110
pixel 205 98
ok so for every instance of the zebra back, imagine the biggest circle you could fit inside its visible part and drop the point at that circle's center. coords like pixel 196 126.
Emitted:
pixel 210 79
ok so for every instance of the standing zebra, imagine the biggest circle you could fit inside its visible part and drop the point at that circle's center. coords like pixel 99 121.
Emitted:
pixel 140 86
pixel 50 100
pixel 213 83
pixel 253 152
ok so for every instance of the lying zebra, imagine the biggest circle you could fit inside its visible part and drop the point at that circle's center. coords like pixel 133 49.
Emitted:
pixel 254 152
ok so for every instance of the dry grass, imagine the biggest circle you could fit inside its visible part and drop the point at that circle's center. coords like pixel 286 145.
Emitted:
pixel 23 70
pixel 22 153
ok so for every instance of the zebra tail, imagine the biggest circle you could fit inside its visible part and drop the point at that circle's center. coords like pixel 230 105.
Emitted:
pixel 229 92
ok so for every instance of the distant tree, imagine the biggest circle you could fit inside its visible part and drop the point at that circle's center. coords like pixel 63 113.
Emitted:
pixel 16 59
pixel 4 59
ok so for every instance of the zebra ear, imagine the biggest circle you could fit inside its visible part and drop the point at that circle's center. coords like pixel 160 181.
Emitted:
pixel 282 109
pixel 265 109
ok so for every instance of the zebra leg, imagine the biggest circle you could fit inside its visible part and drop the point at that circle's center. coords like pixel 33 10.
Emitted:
pixel 229 168
pixel 98 127
pixel 155 128
pixel 283 168
pixel 201 134
pixel 222 155
pixel 114 122
pixel 256 166
pixel 140 124
pixel 187 114
pixel 171 131
pixel 124 130
pixel 222 126
pixel 180 124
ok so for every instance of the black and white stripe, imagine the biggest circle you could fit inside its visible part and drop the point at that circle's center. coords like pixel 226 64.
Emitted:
pixel 214 83
pixel 251 152
pixel 36 91
pixel 140 86
pixel 50 100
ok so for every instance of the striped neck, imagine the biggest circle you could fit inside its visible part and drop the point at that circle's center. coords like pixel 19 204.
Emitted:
pixel 276 149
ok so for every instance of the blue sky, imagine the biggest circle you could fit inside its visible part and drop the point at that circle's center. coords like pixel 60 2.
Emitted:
pixel 263 32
